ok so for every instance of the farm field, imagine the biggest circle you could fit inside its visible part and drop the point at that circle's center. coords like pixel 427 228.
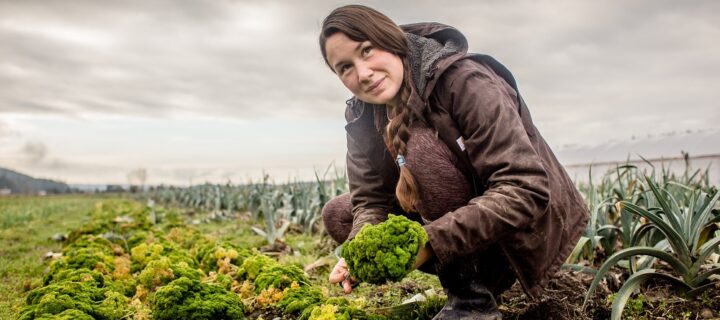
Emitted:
pixel 258 252
pixel 26 226
pixel 24 245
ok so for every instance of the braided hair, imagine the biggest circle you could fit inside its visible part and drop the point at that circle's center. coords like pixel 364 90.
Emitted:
pixel 361 23
pixel 398 134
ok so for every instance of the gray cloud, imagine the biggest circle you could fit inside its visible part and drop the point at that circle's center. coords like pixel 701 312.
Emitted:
pixel 160 58
pixel 584 66
pixel 34 151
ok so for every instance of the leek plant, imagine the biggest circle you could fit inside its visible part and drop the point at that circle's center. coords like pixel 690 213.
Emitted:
pixel 298 204
pixel 687 220
pixel 608 227
pixel 271 203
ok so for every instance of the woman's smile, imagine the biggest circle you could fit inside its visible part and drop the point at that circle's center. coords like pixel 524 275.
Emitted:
pixel 376 87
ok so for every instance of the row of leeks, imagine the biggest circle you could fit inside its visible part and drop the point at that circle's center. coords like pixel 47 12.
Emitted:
pixel 279 206
pixel 639 217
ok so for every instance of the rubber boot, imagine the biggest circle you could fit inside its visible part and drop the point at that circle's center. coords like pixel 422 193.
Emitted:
pixel 472 283
pixel 474 303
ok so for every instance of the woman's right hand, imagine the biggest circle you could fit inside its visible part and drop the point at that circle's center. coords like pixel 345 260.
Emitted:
pixel 341 274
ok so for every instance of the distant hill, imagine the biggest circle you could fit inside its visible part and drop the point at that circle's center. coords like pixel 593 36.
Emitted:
pixel 19 183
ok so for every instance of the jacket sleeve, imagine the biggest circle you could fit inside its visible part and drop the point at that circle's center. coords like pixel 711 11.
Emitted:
pixel 370 193
pixel 515 182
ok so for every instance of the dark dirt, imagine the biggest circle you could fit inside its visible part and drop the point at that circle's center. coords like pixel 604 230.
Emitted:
pixel 563 300
pixel 564 296
pixel 271 314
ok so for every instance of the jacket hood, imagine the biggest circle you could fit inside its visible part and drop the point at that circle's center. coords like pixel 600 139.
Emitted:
pixel 433 47
pixel 429 44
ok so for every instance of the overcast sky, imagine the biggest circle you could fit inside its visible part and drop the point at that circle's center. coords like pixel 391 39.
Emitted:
pixel 216 90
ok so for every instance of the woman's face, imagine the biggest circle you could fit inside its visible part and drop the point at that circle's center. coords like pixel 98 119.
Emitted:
pixel 372 74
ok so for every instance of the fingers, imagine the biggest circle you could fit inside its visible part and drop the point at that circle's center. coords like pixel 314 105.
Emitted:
pixel 347 286
pixel 337 275
pixel 345 280
pixel 347 283
pixel 339 272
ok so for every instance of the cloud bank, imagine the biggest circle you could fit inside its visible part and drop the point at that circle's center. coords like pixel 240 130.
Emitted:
pixel 590 71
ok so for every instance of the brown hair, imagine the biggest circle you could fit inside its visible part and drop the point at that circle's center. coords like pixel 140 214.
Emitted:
pixel 361 23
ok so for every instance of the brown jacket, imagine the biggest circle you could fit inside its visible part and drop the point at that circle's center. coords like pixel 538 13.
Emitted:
pixel 524 198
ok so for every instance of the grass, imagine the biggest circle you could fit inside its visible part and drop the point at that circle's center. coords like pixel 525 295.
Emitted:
pixel 27 224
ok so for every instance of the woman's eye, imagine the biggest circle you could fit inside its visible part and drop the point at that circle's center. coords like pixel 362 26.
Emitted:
pixel 344 68
pixel 366 50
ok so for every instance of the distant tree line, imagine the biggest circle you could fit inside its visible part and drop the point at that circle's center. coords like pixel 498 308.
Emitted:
pixel 12 182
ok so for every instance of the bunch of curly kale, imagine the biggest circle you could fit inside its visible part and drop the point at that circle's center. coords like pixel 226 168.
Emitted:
pixel 385 251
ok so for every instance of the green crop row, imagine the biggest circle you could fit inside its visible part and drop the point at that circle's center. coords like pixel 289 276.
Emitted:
pixel 280 206
pixel 133 261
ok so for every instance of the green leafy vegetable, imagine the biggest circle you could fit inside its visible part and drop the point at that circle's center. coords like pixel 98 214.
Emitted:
pixel 298 299
pixel 279 276
pixel 84 299
pixel 385 251
pixel 191 299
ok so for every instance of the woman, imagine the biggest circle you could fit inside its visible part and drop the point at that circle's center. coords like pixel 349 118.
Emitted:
pixel 437 132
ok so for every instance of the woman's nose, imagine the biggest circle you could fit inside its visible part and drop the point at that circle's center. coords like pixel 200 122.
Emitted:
pixel 364 73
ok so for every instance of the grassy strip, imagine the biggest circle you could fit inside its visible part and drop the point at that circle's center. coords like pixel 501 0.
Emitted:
pixel 26 225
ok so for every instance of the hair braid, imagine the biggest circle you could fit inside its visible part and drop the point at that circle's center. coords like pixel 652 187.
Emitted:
pixel 361 23
pixel 406 190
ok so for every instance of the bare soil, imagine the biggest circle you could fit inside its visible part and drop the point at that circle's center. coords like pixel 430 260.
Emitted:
pixel 564 297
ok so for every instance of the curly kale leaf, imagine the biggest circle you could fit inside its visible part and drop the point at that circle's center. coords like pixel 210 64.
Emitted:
pixel 78 275
pixel 69 314
pixel 76 297
pixel 87 252
pixel 210 255
pixel 298 299
pixel 384 252
pixel 252 266
pixel 279 276
pixel 143 253
pixel 184 298
pixel 338 309
pixel 160 272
